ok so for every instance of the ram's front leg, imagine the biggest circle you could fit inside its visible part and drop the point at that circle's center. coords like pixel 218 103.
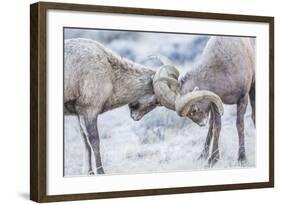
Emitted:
pixel 204 154
pixel 214 147
pixel 93 136
pixel 87 146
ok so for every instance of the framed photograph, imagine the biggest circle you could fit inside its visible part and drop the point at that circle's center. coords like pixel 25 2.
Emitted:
pixel 134 102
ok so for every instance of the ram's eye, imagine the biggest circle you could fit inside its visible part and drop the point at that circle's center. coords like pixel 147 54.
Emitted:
pixel 135 106
pixel 194 111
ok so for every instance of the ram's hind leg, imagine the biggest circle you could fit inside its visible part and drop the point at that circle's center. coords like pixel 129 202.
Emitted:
pixel 241 110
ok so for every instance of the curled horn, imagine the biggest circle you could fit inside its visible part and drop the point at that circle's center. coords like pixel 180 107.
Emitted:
pixel 183 103
pixel 165 82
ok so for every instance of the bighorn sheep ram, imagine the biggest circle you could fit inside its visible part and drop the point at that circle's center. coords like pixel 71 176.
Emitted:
pixel 227 68
pixel 97 80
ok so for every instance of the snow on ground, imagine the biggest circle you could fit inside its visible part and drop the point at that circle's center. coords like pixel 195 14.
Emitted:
pixel 161 141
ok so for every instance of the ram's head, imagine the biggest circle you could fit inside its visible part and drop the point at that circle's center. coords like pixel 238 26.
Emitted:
pixel 142 106
pixel 194 104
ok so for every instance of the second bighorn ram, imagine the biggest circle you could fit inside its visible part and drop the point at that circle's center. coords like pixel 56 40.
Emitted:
pixel 97 80
pixel 227 68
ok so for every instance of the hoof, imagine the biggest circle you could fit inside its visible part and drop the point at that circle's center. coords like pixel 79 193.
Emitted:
pixel 242 156
pixel 242 159
pixel 100 170
pixel 214 158
pixel 203 155
pixel 212 161
pixel 91 172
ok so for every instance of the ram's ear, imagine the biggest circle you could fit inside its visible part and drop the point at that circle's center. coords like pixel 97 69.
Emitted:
pixel 154 101
pixel 157 103
pixel 195 89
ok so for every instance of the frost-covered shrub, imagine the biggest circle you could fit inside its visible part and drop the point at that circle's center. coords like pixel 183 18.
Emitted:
pixel 154 127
